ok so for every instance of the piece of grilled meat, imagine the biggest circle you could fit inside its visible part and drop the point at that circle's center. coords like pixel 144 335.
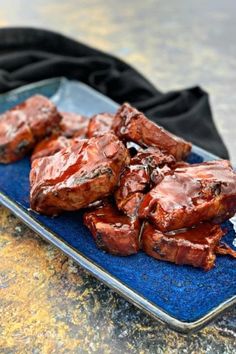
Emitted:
pixel 192 194
pixel 100 124
pixel 112 231
pixel 16 138
pixel 78 175
pixel 134 181
pixel 145 168
pixel 73 125
pixel 40 114
pixel 130 124
pixel 24 125
pixel 197 246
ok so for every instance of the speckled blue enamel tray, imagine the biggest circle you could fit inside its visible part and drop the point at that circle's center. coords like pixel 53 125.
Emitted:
pixel 182 296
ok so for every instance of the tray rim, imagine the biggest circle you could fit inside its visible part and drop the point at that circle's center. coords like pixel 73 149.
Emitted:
pixel 99 272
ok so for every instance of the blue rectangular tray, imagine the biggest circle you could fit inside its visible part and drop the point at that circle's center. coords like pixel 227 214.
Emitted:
pixel 182 296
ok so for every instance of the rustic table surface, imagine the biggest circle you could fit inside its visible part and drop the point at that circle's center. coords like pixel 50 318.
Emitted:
pixel 47 303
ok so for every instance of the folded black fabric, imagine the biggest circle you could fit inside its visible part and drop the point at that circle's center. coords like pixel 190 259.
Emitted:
pixel 28 55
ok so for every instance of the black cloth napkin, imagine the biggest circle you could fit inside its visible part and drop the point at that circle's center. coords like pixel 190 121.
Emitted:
pixel 28 55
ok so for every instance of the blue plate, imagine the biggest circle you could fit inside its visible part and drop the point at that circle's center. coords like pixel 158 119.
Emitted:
pixel 182 296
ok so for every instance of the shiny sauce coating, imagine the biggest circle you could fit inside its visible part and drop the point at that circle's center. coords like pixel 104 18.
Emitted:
pixel 196 246
pixel 190 195
pixel 130 124
pixel 78 175
pixel 112 231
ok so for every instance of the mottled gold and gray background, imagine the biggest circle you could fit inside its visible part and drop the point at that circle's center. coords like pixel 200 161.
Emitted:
pixel 47 303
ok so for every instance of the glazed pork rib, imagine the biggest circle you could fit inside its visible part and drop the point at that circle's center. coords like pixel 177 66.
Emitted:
pixel 24 125
pixel 192 194
pixel 133 182
pixel 78 175
pixel 136 179
pixel 100 124
pixel 132 125
pixel 16 138
pixel 112 231
pixel 40 114
pixel 196 246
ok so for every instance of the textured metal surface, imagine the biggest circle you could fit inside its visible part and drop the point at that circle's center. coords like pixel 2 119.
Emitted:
pixel 49 305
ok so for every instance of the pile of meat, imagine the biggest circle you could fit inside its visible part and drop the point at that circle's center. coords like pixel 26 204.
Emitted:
pixel 130 176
